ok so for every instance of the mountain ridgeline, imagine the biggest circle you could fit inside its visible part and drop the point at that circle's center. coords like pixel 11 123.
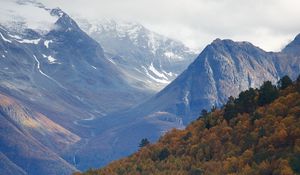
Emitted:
pixel 223 69
pixel 78 96
pixel 255 133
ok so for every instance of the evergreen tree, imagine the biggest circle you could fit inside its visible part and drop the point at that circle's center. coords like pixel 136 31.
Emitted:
pixel 164 153
pixel 284 82
pixel 204 112
pixel 144 142
pixel 247 101
pixel 230 110
pixel 213 108
pixel 298 79
pixel 298 84
pixel 267 93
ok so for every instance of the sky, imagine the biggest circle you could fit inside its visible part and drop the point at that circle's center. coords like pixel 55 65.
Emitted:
pixel 269 24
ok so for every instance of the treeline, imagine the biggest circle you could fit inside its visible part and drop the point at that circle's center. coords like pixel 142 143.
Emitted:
pixel 256 133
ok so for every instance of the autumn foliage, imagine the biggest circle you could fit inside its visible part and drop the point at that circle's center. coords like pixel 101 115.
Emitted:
pixel 260 135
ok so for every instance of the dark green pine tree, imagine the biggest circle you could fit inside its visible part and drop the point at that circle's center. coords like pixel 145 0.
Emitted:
pixel 267 93
pixel 230 110
pixel 298 84
pixel 164 153
pixel 246 102
pixel 144 142
pixel 284 82
pixel 298 79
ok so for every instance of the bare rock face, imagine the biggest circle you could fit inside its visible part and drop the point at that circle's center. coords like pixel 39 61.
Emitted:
pixel 224 68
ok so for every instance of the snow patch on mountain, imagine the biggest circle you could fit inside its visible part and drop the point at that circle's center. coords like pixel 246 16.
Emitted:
pixel 173 55
pixel 153 42
pixel 109 59
pixel 5 39
pixel 20 15
pixel 50 58
pixel 14 36
pixel 155 79
pixel 28 41
pixel 156 72
pixel 186 98
pixel 151 59
pixel 47 42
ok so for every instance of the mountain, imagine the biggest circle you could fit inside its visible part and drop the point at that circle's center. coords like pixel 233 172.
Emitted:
pixel 265 141
pixel 64 64
pixel 150 60
pixel 223 69
pixel 58 77
pixel 83 95
pixel 31 142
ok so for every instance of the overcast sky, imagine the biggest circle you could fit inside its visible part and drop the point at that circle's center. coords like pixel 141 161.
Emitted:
pixel 269 24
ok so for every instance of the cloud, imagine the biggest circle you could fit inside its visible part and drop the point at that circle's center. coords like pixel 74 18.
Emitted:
pixel 25 15
pixel 270 24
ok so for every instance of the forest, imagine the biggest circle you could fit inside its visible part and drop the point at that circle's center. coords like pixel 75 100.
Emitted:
pixel 257 132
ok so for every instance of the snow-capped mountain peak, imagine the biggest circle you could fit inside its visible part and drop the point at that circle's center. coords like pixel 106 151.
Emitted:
pixel 20 15
pixel 141 53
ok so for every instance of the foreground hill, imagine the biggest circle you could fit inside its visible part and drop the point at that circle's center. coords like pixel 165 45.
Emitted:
pixel 256 133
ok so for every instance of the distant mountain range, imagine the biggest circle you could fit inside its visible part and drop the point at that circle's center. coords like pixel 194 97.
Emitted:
pixel 148 59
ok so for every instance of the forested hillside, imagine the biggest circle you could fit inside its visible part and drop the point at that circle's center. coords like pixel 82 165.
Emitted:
pixel 256 133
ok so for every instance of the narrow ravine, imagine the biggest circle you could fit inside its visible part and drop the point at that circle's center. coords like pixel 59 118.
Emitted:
pixel 40 70
pixel 85 140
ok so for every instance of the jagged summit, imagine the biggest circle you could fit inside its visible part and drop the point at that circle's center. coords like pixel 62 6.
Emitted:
pixel 57 12
pixel 293 47
pixel 231 44
pixel 64 21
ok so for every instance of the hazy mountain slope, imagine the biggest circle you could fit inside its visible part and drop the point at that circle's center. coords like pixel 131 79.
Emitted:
pixel 29 140
pixel 8 167
pixel 224 68
pixel 62 72
pixel 149 60
pixel 263 142
pixel 293 47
